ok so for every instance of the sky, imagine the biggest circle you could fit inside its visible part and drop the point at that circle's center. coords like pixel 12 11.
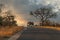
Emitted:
pixel 22 8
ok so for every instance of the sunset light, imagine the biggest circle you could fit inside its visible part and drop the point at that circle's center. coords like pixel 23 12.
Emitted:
pixel 29 19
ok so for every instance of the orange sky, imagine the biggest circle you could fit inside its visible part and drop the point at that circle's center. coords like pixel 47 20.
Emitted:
pixel 18 17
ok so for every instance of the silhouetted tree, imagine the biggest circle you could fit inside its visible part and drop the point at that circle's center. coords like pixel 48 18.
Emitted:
pixel 1 20
pixel 8 19
pixel 43 14
pixel 30 24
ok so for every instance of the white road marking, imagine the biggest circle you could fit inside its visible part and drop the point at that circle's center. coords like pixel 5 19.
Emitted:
pixel 17 35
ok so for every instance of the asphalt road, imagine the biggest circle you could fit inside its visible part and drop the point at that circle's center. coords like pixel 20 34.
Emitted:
pixel 37 34
pixel 17 35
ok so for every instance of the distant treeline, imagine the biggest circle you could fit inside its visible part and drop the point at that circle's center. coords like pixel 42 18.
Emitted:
pixel 45 24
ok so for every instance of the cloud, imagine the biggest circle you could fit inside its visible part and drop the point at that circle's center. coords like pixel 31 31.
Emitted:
pixel 23 7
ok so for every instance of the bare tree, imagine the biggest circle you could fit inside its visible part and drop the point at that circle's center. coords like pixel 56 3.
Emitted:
pixel 43 14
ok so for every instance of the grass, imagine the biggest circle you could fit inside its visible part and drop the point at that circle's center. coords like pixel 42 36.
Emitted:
pixel 49 27
pixel 9 31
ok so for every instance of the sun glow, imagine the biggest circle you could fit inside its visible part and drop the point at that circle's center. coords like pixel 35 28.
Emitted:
pixel 18 16
pixel 20 20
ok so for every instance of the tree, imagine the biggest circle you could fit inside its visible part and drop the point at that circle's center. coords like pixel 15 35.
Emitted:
pixel 8 19
pixel 1 19
pixel 44 14
pixel 30 24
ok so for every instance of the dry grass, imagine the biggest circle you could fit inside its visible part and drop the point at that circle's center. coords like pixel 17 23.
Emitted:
pixel 9 31
pixel 50 27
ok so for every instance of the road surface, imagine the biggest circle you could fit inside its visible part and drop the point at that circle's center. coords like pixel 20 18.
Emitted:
pixel 17 35
pixel 37 34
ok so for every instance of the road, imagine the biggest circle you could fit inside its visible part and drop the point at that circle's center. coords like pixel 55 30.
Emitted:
pixel 17 35
pixel 37 34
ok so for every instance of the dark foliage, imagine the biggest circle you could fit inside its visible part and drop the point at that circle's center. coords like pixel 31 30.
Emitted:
pixel 7 20
pixel 44 14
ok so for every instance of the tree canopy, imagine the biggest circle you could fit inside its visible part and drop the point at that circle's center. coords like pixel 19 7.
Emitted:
pixel 8 19
pixel 44 14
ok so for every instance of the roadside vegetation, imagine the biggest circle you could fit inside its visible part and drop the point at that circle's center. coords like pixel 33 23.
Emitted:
pixel 9 31
pixel 8 24
pixel 45 16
